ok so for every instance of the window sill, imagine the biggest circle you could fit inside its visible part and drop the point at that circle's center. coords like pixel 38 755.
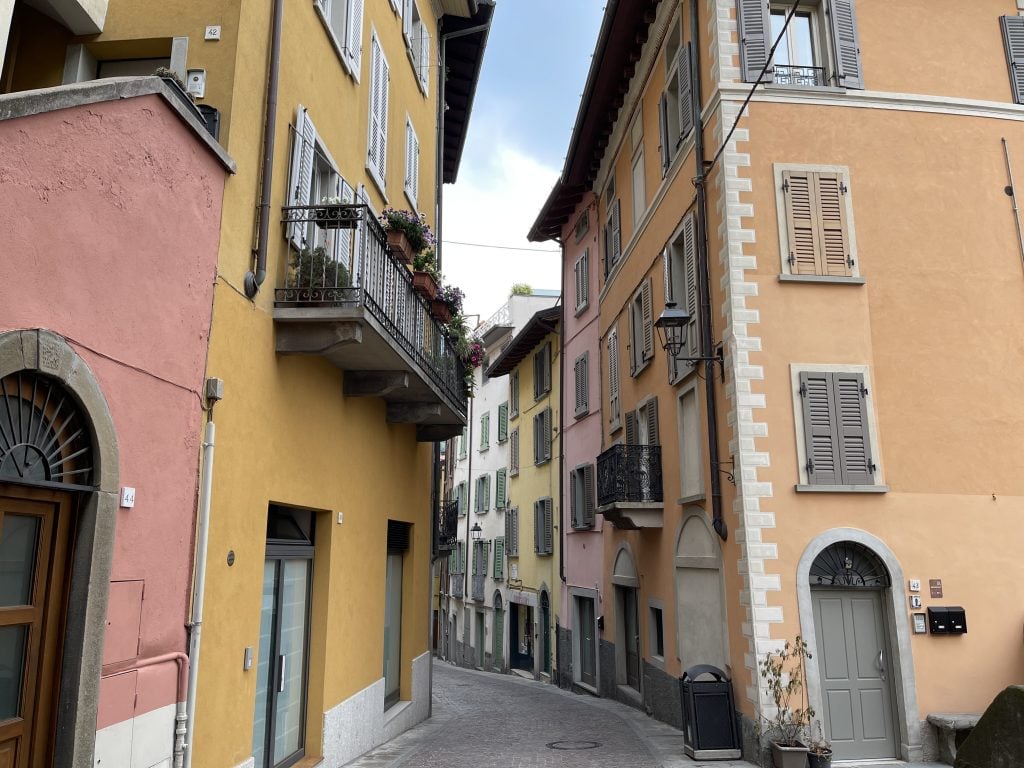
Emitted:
pixel 784 278
pixel 615 426
pixel 641 368
pixel 803 88
pixel 581 414
pixel 372 173
pixel 582 308
pixel 841 488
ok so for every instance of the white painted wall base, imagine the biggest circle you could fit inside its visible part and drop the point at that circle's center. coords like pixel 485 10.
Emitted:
pixel 146 741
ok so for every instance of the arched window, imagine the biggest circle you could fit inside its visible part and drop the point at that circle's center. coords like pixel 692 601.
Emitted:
pixel 848 564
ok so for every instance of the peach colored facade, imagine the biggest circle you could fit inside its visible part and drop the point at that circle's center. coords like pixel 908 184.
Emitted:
pixel 908 316
pixel 102 190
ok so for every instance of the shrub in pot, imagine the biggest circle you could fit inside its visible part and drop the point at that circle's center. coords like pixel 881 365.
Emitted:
pixel 782 672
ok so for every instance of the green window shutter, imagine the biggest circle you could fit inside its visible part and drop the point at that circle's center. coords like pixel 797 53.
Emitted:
pixel 854 441
pixel 499 489
pixel 464 443
pixel 512 532
pixel 821 439
pixel 755 33
pixel 685 87
pixel 846 43
pixel 503 422
pixel 588 495
pixel 1013 44
pixel 485 428
pixel 499 558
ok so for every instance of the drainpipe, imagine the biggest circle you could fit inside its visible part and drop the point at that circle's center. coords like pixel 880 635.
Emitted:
pixel 195 635
pixel 561 429
pixel 253 280
pixel 718 521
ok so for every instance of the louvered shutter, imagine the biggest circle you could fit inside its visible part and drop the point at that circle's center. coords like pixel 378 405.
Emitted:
pixel 513 452
pixel 614 407
pixel 407 21
pixel 666 263
pixel 382 124
pixel 302 171
pixel 487 492
pixel 691 286
pixel 820 434
pixel 616 232
pixel 424 71
pixel 575 499
pixel 485 551
pixel 846 43
pixel 547 367
pixel 666 151
pixel 588 495
pixel 646 303
pixel 755 26
pixel 412 162
pixel 801 222
pixel 685 86
pixel 500 483
pixel 854 442
pixel 354 34
pixel 503 422
pixel 499 558
pixel 374 149
pixel 651 411
pixel 546 416
pixel 834 237
pixel 513 394
pixel 547 506
pixel 580 375
pixel 538 538
pixel 1013 44
pixel 631 431
pixel 512 532
pixel 345 235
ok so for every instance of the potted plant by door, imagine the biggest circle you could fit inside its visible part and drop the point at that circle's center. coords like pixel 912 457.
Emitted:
pixel 408 233
pixel 819 749
pixel 783 676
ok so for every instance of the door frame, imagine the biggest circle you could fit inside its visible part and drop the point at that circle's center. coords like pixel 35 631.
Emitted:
pixel 907 728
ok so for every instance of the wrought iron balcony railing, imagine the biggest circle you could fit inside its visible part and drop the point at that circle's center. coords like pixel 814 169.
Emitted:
pixel 478 586
pixel 457 585
pixel 339 259
pixel 786 74
pixel 447 525
pixel 629 474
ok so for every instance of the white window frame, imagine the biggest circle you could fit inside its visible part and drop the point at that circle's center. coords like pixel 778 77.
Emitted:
pixel 417 44
pixel 348 45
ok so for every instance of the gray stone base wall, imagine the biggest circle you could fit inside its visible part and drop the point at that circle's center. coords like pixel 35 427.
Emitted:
pixel 661 696
pixel 563 669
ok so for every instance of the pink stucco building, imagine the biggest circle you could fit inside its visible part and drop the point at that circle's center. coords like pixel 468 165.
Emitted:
pixel 110 206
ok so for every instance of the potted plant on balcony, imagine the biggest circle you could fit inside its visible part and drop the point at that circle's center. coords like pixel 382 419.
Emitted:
pixel 447 303
pixel 425 277
pixel 313 269
pixel 819 749
pixel 783 675
pixel 408 233
pixel 330 214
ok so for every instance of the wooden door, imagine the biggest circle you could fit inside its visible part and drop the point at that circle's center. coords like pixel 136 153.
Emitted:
pixel 34 533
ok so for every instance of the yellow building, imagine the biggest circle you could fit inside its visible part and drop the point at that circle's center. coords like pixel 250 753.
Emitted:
pixel 338 382
pixel 532 363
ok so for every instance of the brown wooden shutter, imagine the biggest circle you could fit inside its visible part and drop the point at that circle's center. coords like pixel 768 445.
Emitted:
pixel 685 87
pixel 755 26
pixel 666 152
pixel 846 43
pixel 854 443
pixel 631 437
pixel 588 495
pixel 801 222
pixel 834 236
pixel 652 422
pixel 821 438
pixel 646 303
pixel 1013 44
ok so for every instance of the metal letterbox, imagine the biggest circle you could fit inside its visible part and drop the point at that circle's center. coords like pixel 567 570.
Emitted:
pixel 947 620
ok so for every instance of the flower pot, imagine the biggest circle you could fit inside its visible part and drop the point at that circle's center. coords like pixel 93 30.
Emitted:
pixel 820 759
pixel 333 217
pixel 785 756
pixel 398 243
pixel 424 284
pixel 440 311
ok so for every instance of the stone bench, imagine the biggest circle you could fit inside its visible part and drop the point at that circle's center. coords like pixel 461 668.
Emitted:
pixel 952 729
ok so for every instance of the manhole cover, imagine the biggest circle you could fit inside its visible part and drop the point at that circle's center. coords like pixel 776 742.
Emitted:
pixel 573 745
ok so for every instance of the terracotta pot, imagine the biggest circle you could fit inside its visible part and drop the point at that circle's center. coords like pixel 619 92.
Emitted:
pixel 399 245
pixel 424 284
pixel 785 756
pixel 440 311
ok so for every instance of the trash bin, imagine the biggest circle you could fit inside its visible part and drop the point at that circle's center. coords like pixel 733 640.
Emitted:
pixel 710 729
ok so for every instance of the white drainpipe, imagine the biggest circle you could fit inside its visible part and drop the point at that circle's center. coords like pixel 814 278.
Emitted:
pixel 197 591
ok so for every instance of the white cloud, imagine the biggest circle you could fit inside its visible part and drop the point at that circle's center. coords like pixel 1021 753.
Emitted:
pixel 495 202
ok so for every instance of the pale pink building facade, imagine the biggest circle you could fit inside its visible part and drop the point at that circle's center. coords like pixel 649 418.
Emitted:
pixel 110 208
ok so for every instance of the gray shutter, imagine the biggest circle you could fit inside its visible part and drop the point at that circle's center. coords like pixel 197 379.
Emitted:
pixel 646 304
pixel 547 367
pixel 821 439
pixel 588 495
pixel 547 505
pixel 575 500
pixel 614 235
pixel 514 549
pixel 846 44
pixel 538 425
pixel 691 287
pixel 503 422
pixel 546 416
pixel 485 551
pixel 538 514
pixel 666 151
pixel 652 422
pixel 513 453
pixel 1013 43
pixel 631 437
pixel 685 87
pixel 513 393
pixel 854 443
pixel 755 27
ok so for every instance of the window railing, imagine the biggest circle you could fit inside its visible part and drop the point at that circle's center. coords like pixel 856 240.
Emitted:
pixel 786 74
pixel 345 262
pixel 478 586
pixel 447 525
pixel 629 473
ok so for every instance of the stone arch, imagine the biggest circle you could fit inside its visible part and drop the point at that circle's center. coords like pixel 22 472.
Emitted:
pixel 701 621
pixel 909 736
pixel 46 353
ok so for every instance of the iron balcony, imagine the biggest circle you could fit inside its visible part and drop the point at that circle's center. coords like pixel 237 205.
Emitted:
pixel 629 486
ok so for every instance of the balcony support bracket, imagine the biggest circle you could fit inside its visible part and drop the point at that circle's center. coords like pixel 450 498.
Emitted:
pixel 301 338
pixel 412 413
pixel 375 383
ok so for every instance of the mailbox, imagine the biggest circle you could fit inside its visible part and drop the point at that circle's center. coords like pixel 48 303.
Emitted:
pixel 948 620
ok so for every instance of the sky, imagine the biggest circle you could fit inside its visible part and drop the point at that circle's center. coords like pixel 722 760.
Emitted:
pixel 534 69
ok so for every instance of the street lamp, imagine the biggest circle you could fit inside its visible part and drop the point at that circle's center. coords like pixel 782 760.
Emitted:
pixel 477 532
pixel 671 327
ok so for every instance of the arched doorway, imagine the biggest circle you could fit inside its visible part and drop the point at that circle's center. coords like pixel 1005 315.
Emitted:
pixel 627 623
pixel 498 633
pixel 700 613
pixel 58 500
pixel 847 584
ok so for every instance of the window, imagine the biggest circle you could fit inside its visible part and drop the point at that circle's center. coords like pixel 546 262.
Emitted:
pixel 1013 45
pixel 637 173
pixel 836 428
pixel 657 634
pixel 582 389
pixel 513 453
pixel 481 551
pixel 483 494
pixel 582 280
pixel 344 20
pixel 582 225
pixel 513 394
pixel 816 223
pixel 675 111
pixel 542 437
pixel 500 486
pixel 691 459
pixel 581 496
pixel 512 532
pixel 485 431
pixel 412 163
pixel 682 288
pixel 499 558
pixel 417 43
pixel 802 57
pixel 464 443
pixel 503 422
pixel 543 526
pixel 642 424
pixel 457 561
pixel 614 406
pixel 542 371
pixel 641 329
pixel 312 175
pixel 377 141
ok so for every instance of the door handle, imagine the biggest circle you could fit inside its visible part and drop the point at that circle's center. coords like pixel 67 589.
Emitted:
pixel 881 664
pixel 280 675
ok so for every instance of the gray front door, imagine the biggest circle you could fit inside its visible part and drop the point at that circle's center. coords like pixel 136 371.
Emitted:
pixel 855 672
